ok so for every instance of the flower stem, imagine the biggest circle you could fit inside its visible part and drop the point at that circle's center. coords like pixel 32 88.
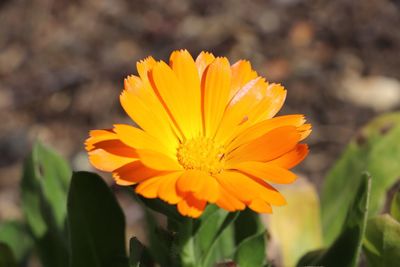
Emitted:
pixel 187 253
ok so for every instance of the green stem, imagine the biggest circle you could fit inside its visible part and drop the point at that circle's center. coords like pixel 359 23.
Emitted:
pixel 187 253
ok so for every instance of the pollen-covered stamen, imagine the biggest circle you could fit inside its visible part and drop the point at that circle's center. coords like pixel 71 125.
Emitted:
pixel 201 154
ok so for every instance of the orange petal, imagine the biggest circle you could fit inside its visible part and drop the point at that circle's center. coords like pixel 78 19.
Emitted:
pixel 174 96
pixel 292 158
pixel 134 172
pixel 202 61
pixel 185 69
pixel 271 145
pixel 190 206
pixel 261 128
pixel 106 161
pixel 191 181
pixel 144 66
pixel 271 104
pixel 246 189
pixel 216 89
pixel 116 147
pixel 158 161
pixel 242 73
pixel 209 191
pixel 149 188
pixel 266 171
pixel 260 206
pixel 96 136
pixel 142 105
pixel 228 202
pixel 241 105
pixel 139 139
pixel 167 190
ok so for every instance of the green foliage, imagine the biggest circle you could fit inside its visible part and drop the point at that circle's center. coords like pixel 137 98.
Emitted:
pixel 382 241
pixel 375 149
pixel 6 256
pixel 16 236
pixel 345 250
pixel 96 223
pixel 395 206
pixel 44 187
pixel 251 251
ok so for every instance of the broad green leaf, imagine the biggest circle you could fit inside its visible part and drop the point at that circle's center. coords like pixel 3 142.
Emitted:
pixel 16 236
pixel 375 149
pixel 6 256
pixel 139 255
pixel 251 251
pixel 224 223
pixel 345 250
pixel 247 224
pixel 96 224
pixel 44 188
pixel 213 237
pixel 382 241
pixel 296 227
pixel 395 206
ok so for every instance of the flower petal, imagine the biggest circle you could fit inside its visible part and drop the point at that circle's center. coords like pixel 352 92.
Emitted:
pixel 260 206
pixel 134 172
pixel 158 161
pixel 174 96
pixel 191 181
pixel 202 61
pixel 105 161
pixel 261 128
pixel 185 69
pixel 216 88
pixel 139 139
pixel 266 171
pixel 144 67
pixel 242 73
pixel 292 158
pixel 167 190
pixel 270 146
pixel 209 191
pixel 246 189
pixel 235 117
pixel 229 202
pixel 142 105
pixel 192 207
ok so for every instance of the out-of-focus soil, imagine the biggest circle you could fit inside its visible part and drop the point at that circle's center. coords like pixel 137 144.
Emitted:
pixel 62 65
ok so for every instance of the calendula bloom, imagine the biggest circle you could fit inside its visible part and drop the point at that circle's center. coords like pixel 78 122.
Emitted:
pixel 206 134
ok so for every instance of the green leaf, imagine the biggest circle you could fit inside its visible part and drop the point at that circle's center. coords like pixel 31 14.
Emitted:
pixel 251 251
pixel 247 224
pixel 17 237
pixel 375 149
pixel 44 188
pixel 213 235
pixel 395 206
pixel 139 255
pixel 302 231
pixel 6 256
pixel 225 220
pixel 382 241
pixel 96 223
pixel 345 250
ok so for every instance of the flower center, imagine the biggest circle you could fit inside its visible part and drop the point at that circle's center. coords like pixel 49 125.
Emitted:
pixel 201 154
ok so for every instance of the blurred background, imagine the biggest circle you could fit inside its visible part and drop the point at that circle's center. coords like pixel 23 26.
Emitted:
pixel 62 65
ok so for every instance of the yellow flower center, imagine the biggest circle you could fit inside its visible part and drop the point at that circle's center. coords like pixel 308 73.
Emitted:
pixel 201 154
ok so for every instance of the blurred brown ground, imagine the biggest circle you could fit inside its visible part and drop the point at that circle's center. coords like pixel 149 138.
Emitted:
pixel 62 65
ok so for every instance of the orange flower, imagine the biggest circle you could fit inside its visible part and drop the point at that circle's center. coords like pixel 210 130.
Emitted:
pixel 206 135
